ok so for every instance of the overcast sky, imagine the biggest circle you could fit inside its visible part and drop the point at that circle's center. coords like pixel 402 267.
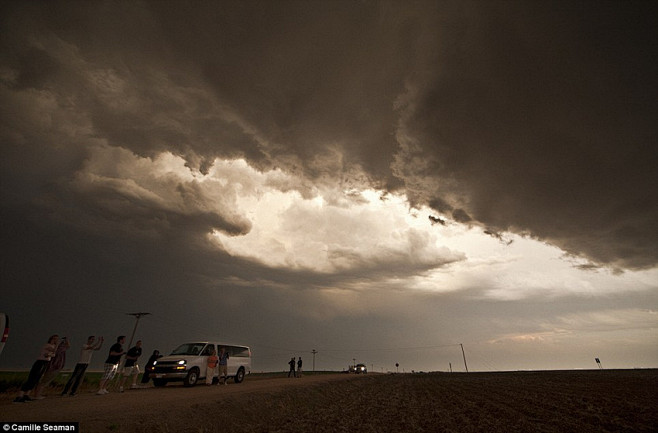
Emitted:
pixel 378 181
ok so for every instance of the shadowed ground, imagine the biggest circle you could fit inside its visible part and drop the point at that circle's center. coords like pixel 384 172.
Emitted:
pixel 551 401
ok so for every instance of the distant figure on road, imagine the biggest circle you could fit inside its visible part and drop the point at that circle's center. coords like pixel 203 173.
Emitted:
pixel 80 368
pixel 54 367
pixel 299 367
pixel 149 366
pixel 38 369
pixel 223 365
pixel 211 366
pixel 111 364
pixel 291 363
pixel 131 367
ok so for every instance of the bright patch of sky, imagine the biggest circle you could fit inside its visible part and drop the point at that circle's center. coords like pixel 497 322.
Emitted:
pixel 325 236
pixel 326 230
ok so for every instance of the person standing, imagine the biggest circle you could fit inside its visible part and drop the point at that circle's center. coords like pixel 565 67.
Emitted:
pixel 55 365
pixel 38 369
pixel 291 363
pixel 211 366
pixel 80 368
pixel 299 367
pixel 111 364
pixel 149 366
pixel 223 365
pixel 131 367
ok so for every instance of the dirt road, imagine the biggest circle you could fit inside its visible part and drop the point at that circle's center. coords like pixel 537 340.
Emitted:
pixel 167 408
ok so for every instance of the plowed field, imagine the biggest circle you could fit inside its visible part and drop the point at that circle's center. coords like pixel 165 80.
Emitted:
pixel 559 401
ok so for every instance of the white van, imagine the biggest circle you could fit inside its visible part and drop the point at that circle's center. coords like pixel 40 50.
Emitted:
pixel 4 327
pixel 188 363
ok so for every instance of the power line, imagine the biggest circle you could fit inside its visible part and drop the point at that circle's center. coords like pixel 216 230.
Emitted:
pixel 392 349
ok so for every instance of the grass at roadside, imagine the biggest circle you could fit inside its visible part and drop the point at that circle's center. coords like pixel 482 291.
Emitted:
pixel 10 381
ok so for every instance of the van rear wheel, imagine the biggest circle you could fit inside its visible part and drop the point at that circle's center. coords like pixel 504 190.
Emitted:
pixel 239 376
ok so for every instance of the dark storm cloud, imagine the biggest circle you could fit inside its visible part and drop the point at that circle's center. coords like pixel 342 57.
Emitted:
pixel 535 119
pixel 539 119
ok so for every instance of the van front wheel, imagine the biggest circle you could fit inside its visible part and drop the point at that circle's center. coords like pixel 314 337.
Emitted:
pixel 191 378
pixel 239 377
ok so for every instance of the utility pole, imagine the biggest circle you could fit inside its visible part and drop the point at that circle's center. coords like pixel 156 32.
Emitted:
pixel 314 352
pixel 464 355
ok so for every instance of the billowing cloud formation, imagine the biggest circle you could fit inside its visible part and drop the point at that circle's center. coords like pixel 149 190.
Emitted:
pixel 286 158
pixel 513 116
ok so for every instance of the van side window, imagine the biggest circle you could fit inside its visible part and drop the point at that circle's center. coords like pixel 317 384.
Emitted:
pixel 206 351
pixel 238 352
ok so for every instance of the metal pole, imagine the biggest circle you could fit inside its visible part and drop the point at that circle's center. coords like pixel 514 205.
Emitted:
pixel 314 352
pixel 123 357
pixel 137 316
pixel 464 355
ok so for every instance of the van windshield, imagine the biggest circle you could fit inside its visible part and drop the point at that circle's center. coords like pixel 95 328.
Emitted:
pixel 189 349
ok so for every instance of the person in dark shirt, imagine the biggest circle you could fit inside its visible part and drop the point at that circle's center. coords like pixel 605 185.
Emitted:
pixel 291 363
pixel 131 367
pixel 112 364
pixel 223 365
pixel 149 366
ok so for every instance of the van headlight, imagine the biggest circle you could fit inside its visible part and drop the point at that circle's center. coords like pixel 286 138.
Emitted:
pixel 181 365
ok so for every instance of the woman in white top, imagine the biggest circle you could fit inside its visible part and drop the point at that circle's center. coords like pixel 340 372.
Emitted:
pixel 38 368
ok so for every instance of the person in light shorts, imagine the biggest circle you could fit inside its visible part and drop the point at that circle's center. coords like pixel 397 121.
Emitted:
pixel 111 364
pixel 130 368
pixel 109 371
